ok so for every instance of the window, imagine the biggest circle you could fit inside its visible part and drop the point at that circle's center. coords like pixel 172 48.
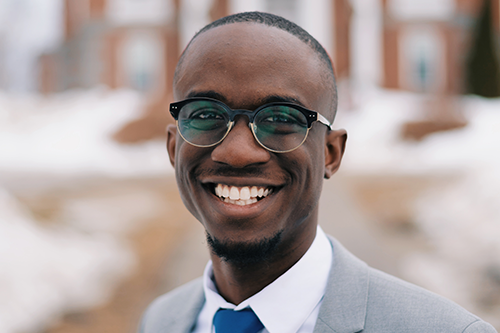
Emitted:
pixel 142 60
pixel 422 59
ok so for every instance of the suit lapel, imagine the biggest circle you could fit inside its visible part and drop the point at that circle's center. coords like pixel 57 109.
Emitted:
pixel 344 305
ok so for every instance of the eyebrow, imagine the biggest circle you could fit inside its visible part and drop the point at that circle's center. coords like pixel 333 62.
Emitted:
pixel 279 98
pixel 209 93
pixel 266 100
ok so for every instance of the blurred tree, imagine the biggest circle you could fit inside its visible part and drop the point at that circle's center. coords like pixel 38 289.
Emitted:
pixel 483 74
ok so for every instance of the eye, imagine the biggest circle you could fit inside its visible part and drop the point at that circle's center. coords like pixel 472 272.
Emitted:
pixel 206 114
pixel 198 117
pixel 279 121
pixel 281 116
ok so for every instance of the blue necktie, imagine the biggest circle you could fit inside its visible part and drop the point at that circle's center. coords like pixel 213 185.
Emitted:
pixel 230 321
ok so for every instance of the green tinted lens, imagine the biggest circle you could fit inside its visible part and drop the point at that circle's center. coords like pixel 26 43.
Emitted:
pixel 280 128
pixel 203 122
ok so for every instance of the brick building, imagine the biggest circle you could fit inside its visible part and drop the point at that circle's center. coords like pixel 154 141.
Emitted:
pixel 426 43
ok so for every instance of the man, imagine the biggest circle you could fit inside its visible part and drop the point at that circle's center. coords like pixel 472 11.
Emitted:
pixel 252 146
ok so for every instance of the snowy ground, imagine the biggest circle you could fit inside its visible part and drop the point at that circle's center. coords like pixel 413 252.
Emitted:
pixel 74 265
pixel 47 270
pixel 70 135
pixel 375 143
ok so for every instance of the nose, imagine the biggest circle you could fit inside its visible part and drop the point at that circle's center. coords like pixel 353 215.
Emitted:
pixel 239 149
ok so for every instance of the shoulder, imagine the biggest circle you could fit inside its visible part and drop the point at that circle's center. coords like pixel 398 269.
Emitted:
pixel 362 298
pixel 176 310
pixel 179 296
pixel 408 305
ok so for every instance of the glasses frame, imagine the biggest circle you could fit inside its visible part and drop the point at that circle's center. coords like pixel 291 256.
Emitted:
pixel 311 117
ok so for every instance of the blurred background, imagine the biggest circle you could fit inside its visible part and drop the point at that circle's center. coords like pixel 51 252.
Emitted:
pixel 91 224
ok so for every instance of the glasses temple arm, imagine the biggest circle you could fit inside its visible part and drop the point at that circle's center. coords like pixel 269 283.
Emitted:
pixel 324 121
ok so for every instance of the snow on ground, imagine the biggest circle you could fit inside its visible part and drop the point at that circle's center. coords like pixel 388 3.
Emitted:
pixel 375 145
pixel 461 220
pixel 70 134
pixel 46 271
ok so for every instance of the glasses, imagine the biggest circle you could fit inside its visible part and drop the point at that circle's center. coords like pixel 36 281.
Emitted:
pixel 278 127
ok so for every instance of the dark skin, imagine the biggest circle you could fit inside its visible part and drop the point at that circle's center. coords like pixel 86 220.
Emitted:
pixel 246 65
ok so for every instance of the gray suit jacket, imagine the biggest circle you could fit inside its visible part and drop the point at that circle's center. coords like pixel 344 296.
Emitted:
pixel 358 299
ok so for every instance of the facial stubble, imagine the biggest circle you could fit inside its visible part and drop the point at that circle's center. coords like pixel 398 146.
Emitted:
pixel 242 254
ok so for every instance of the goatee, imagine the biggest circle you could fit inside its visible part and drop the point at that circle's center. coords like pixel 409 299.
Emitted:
pixel 244 253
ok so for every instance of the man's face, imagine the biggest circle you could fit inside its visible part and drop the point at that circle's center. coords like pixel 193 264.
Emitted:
pixel 246 65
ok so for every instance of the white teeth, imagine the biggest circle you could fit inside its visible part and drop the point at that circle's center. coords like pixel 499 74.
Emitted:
pixel 225 191
pixel 241 195
pixel 254 192
pixel 234 194
pixel 240 202
pixel 245 193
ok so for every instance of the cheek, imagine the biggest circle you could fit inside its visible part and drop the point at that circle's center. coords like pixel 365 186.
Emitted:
pixel 307 169
pixel 181 157
pixel 184 187
pixel 315 166
pixel 316 151
pixel 303 197
pixel 186 161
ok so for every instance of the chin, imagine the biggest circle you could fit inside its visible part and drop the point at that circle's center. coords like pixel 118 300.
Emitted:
pixel 244 253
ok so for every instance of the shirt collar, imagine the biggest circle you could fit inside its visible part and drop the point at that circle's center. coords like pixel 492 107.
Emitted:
pixel 284 305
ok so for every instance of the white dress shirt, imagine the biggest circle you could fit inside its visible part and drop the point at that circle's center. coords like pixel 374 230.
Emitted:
pixel 288 305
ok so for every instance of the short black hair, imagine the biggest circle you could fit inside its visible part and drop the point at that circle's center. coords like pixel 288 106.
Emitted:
pixel 279 22
pixel 272 21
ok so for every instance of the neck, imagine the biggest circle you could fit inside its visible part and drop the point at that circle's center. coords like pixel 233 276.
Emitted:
pixel 236 281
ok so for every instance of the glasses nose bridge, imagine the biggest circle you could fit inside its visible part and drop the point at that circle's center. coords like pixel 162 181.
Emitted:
pixel 249 114
pixel 242 112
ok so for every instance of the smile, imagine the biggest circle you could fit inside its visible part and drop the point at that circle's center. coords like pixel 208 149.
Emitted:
pixel 241 196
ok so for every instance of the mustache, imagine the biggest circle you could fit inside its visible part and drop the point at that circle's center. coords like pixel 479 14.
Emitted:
pixel 228 171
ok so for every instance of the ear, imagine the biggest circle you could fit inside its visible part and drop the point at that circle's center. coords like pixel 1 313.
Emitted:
pixel 335 142
pixel 171 141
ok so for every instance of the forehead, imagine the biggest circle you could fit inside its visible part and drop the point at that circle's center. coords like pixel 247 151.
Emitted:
pixel 247 62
